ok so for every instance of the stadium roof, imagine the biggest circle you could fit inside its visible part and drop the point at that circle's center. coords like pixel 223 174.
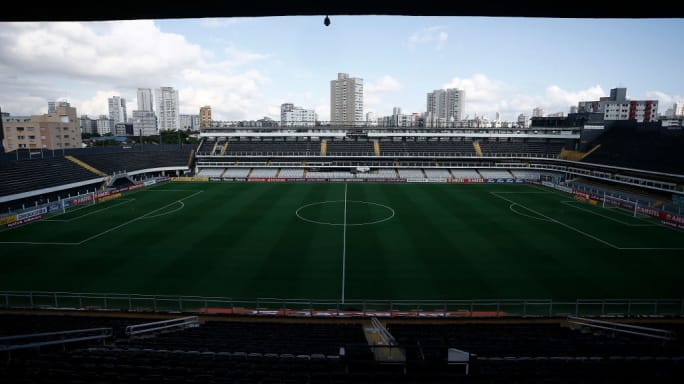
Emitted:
pixel 85 10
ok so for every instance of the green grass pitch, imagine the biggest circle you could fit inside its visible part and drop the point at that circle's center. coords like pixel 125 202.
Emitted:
pixel 360 241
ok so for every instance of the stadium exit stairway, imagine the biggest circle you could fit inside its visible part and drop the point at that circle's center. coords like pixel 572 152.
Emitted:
pixel 85 165
pixel 324 147
pixel 383 350
pixel 476 146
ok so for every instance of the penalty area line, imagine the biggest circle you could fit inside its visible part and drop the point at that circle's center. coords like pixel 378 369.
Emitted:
pixel 558 222
pixel 140 217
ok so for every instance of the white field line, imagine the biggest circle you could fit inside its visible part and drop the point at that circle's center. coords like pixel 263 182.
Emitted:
pixel 573 204
pixel 138 218
pixel 558 222
pixel 122 202
pixel 344 242
pixel 522 214
pixel 592 236
pixel 145 216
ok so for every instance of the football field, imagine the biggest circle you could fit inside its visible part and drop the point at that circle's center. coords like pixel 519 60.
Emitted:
pixel 353 241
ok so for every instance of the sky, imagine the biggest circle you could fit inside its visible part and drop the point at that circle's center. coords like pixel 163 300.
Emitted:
pixel 244 68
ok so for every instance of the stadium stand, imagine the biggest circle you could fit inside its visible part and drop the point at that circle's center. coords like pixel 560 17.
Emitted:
pixel 291 172
pixel 264 172
pixel 465 173
pixel 515 147
pixel 211 172
pixel 648 148
pixel 437 174
pixel 236 172
pixel 221 349
pixel 494 174
pixel 133 161
pixel 350 148
pixel 411 174
pixel 28 175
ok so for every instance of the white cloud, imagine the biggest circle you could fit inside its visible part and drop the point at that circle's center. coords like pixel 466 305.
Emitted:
pixel 486 97
pixel 429 36
pixel 116 51
pixel 373 91
pixel 323 111
pixel 386 83
pixel 25 105
pixel 241 57
pixel 213 22
pixel 665 100
pixel 478 87
pixel 79 60
pixel 557 96
pixel 98 104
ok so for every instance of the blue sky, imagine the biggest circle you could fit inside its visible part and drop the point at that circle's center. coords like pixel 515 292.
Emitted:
pixel 246 67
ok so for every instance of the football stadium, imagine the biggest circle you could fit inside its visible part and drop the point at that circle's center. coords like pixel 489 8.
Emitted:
pixel 328 252
pixel 347 255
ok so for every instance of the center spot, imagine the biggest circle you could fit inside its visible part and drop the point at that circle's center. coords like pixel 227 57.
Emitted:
pixel 333 212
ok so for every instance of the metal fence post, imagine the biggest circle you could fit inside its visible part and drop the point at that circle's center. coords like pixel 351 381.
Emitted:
pixel 56 303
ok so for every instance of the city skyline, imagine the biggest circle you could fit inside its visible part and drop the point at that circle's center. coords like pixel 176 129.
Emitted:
pixel 245 68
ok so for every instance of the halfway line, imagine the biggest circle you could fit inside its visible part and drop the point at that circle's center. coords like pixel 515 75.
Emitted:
pixel 344 240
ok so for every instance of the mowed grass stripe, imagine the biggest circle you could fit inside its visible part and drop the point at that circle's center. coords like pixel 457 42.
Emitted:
pixel 243 240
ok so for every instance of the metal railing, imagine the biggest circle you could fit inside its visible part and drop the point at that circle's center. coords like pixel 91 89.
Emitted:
pixel 163 325
pixel 36 340
pixel 349 308
pixel 655 333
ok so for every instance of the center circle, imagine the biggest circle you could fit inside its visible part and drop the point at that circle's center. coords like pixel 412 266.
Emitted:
pixel 341 212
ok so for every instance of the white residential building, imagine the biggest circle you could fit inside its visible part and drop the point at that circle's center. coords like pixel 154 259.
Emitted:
pixel 346 100
pixel 144 123
pixel 678 109
pixel 291 116
pixel 117 109
pixel 105 125
pixel 145 100
pixel 168 115
pixel 445 106
pixel 618 107
pixel 189 122
pixel 522 120
pixel 398 119
pixel 371 119
pixel 52 106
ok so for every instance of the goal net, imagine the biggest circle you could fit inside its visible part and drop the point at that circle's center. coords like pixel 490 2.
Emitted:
pixel 627 206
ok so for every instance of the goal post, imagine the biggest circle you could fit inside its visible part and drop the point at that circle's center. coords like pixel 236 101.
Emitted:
pixel 613 202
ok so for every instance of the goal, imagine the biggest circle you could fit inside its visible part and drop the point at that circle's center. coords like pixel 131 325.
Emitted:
pixel 627 206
